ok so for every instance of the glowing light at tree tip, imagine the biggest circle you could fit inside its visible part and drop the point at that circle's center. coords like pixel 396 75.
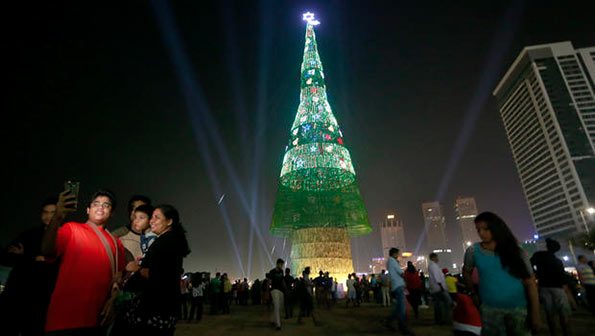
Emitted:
pixel 309 17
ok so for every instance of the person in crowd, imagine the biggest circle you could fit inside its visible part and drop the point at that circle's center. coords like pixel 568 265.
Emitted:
pixel 334 289
pixel 215 289
pixel 245 292
pixel 134 202
pixel 413 285
pixel 506 279
pixel 319 288
pixel 439 291
pixel 156 310
pixel 234 292
pixel 374 285
pixel 587 279
pixel 226 293
pixel 397 288
pixel 351 296
pixel 358 290
pixel 424 290
pixel 184 297
pixel 139 226
pixel 384 289
pixel 255 292
pixel 328 287
pixel 278 288
pixel 90 263
pixel 289 293
pixel 304 289
pixel 451 284
pixel 198 292
pixel 22 308
pixel 366 288
pixel 553 292
pixel 266 293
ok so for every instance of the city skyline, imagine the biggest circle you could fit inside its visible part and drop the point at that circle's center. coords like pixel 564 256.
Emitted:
pixel 191 105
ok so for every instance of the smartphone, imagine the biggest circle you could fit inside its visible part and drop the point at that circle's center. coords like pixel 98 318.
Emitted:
pixel 73 187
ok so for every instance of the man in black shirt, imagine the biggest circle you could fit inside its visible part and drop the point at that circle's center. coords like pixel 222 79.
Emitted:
pixel 24 302
pixel 278 287
pixel 552 287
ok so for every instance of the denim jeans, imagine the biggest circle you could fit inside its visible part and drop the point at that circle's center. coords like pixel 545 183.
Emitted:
pixel 399 306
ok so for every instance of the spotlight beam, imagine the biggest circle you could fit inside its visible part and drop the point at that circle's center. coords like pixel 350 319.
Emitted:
pixel 500 44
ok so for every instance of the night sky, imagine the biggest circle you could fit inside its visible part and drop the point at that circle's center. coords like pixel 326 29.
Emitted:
pixel 94 93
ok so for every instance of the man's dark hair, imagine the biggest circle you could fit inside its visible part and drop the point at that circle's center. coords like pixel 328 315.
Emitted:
pixel 433 255
pixel 581 257
pixel 307 270
pixel 280 261
pixel 218 274
pixel 52 200
pixel 147 209
pixel 392 251
pixel 552 245
pixel 135 198
pixel 287 270
pixel 103 192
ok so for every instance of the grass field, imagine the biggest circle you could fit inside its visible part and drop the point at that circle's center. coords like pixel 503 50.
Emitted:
pixel 365 320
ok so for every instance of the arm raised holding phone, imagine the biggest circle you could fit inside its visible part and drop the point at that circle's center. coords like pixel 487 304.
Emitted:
pixel 66 204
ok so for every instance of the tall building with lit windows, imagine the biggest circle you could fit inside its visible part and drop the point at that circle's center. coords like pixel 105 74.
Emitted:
pixel 547 104
pixel 435 228
pixel 465 213
pixel 392 234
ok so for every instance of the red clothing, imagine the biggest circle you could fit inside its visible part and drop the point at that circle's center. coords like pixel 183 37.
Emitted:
pixel 465 316
pixel 84 279
pixel 412 280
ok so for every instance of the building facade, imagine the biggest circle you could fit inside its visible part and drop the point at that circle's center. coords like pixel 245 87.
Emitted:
pixel 392 234
pixel 465 213
pixel 435 227
pixel 547 104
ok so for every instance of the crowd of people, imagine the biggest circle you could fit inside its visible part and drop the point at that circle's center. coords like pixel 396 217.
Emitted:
pixel 90 281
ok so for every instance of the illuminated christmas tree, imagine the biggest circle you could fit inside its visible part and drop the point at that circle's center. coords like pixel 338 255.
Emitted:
pixel 318 202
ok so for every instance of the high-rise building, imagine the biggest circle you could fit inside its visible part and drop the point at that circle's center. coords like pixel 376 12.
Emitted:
pixel 318 203
pixel 435 226
pixel 547 103
pixel 465 212
pixel 392 234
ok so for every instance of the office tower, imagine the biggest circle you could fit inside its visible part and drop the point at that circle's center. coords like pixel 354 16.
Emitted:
pixel 465 213
pixel 392 234
pixel 547 104
pixel 435 226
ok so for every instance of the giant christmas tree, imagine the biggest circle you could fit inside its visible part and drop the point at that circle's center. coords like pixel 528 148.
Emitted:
pixel 318 205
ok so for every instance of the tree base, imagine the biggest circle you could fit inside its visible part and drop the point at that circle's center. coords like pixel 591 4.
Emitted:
pixel 326 249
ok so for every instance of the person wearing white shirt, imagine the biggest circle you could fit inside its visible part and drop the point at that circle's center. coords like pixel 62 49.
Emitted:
pixel 438 290
pixel 397 288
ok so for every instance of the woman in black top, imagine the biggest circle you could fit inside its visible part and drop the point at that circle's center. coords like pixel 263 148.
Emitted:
pixel 155 311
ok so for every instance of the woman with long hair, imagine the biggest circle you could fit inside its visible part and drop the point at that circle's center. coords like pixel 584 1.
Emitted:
pixel 507 287
pixel 413 284
pixel 155 310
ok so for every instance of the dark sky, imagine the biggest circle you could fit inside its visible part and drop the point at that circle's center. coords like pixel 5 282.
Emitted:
pixel 95 94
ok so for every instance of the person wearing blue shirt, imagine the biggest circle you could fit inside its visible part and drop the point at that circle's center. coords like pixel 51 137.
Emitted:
pixel 397 288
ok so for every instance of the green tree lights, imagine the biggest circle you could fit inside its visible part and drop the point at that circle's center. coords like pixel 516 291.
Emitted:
pixel 317 185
